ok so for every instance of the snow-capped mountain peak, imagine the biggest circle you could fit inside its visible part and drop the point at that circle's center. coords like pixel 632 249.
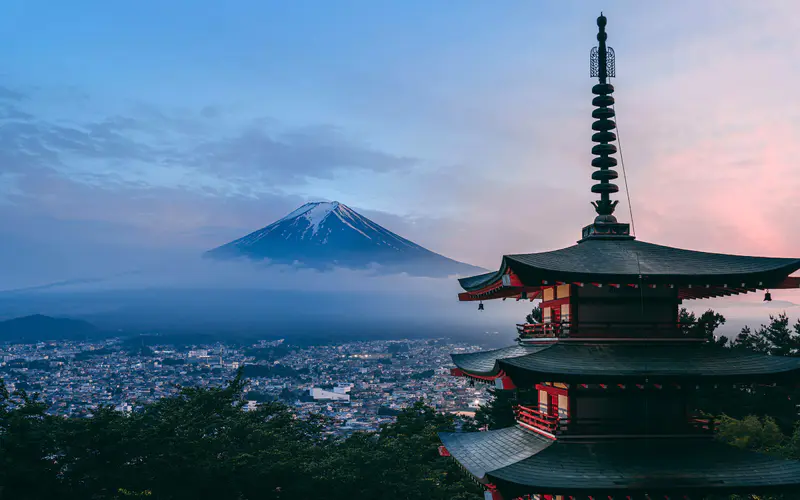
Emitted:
pixel 314 212
pixel 329 233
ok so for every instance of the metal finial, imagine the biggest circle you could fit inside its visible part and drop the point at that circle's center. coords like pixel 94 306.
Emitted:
pixel 602 67
pixel 602 62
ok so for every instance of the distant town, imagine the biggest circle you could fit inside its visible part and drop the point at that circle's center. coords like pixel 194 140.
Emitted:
pixel 358 385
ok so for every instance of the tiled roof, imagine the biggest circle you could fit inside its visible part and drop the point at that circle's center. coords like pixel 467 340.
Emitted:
pixel 586 362
pixel 606 260
pixel 657 465
pixel 480 452
pixel 485 362
pixel 479 281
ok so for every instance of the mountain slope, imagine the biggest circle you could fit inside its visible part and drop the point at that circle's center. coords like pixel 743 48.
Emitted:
pixel 38 327
pixel 330 234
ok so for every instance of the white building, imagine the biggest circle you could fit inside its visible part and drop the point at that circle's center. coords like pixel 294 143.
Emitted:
pixel 322 395
pixel 342 388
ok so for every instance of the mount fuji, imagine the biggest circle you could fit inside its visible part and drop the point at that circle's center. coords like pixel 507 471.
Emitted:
pixel 325 235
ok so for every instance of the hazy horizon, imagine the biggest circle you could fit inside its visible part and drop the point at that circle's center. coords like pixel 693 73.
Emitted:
pixel 134 138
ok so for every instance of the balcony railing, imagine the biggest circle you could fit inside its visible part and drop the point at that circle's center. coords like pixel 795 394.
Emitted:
pixel 566 329
pixel 535 418
pixel 576 427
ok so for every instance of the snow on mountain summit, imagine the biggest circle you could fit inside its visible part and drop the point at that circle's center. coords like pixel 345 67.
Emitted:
pixel 331 234
pixel 313 212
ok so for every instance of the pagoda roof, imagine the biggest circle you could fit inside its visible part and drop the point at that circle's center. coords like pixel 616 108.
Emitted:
pixel 647 465
pixel 481 452
pixel 522 462
pixel 584 362
pixel 598 260
pixel 485 362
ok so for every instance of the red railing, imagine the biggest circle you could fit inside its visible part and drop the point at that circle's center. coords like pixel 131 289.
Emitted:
pixel 536 418
pixel 704 424
pixel 606 329
pixel 610 426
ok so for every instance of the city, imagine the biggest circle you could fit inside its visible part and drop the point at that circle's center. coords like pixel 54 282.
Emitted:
pixel 357 385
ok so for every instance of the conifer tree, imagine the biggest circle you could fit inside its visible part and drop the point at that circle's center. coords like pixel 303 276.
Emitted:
pixel 498 412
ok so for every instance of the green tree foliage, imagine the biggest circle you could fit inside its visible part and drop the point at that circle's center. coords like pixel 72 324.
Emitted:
pixel 753 433
pixel 751 341
pixel 535 316
pixel 202 444
pixel 777 338
pixel 763 435
pixel 498 412
pixel 780 402
pixel 704 326
pixel 402 461
pixel 423 374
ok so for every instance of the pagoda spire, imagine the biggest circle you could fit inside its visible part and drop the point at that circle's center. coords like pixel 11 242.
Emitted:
pixel 602 67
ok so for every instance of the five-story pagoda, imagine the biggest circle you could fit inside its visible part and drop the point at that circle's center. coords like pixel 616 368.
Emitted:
pixel 606 380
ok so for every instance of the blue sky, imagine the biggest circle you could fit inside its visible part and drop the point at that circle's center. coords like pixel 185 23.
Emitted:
pixel 132 130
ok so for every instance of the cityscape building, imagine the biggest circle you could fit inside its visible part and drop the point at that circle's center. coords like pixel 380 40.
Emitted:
pixel 363 384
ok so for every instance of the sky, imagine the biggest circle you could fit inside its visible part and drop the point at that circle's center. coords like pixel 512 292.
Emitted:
pixel 134 131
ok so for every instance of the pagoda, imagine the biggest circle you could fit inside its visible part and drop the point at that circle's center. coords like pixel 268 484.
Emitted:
pixel 605 382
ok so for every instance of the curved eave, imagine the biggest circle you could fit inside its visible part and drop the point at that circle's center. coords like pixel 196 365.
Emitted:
pixel 501 284
pixel 763 278
pixel 501 292
pixel 634 263
pixel 481 452
pixel 481 280
pixel 484 364
pixel 656 467
pixel 605 363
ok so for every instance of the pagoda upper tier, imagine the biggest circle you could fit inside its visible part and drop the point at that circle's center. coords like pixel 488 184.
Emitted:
pixel 614 261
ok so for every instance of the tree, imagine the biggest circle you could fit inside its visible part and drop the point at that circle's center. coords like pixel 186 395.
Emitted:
pixel 762 435
pixel 752 433
pixel 704 326
pixel 751 341
pixel 498 412
pixel 776 338
pixel 203 444
pixel 401 461
pixel 535 316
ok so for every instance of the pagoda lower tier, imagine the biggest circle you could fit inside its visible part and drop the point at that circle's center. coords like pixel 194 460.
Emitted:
pixel 521 464
pixel 586 362
pixel 615 419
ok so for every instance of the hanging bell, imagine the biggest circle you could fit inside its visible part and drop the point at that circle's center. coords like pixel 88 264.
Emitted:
pixel 480 306
pixel 767 297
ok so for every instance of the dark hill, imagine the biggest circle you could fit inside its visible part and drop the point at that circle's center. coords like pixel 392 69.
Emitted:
pixel 39 327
